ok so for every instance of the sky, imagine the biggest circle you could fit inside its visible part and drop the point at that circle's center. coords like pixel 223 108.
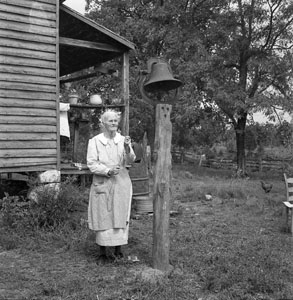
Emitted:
pixel 261 118
pixel 77 5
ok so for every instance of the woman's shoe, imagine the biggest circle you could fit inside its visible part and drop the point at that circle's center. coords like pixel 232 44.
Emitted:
pixel 102 259
pixel 118 254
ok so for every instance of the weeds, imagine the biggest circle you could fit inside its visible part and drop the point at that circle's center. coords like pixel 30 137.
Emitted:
pixel 9 241
pixel 14 211
pixel 50 209
pixel 220 250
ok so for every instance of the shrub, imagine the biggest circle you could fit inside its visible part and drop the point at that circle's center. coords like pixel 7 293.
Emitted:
pixel 221 153
pixel 210 154
pixel 49 211
pixel 13 210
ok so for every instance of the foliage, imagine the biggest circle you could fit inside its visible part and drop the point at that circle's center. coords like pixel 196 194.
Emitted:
pixel 141 120
pixel 50 209
pixel 256 135
pixel 231 55
pixel 284 134
pixel 197 126
pixel 14 210
pixel 107 83
pixel 245 70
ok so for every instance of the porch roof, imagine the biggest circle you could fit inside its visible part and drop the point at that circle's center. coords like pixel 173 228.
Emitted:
pixel 84 43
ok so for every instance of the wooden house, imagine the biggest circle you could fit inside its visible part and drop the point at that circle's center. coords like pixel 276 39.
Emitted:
pixel 42 40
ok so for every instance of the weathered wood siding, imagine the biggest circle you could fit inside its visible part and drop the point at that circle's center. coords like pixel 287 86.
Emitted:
pixel 28 85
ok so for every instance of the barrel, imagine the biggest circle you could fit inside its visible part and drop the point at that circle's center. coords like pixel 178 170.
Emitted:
pixel 140 179
pixel 142 202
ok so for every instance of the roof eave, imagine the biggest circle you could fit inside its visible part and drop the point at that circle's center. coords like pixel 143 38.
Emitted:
pixel 98 27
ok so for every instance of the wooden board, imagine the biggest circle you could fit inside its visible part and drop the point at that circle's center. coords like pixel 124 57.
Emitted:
pixel 27 103
pixel 7 15
pixel 8 85
pixel 27 153
pixel 27 95
pixel 27 128
pixel 30 62
pixel 27 53
pixel 34 5
pixel 27 136
pixel 13 162
pixel 30 8
pixel 27 79
pixel 28 168
pixel 28 70
pixel 30 28
pixel 26 36
pixel 7 42
pixel 28 144
pixel 6 119
pixel 14 111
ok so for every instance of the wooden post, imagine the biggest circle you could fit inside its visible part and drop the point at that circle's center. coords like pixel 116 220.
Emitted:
pixel 162 175
pixel 125 91
pixel 75 140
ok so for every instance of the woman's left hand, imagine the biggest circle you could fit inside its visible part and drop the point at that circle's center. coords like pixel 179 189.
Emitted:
pixel 127 140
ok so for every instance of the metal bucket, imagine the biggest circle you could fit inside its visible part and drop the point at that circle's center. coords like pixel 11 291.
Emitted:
pixel 143 204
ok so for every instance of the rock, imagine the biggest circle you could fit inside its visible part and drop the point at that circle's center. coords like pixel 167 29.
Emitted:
pixel 150 275
pixel 49 176
pixel 177 271
pixel 208 197
pixel 49 182
pixel 217 201
pixel 188 175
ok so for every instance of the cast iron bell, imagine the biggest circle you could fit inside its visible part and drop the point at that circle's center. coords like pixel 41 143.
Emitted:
pixel 161 78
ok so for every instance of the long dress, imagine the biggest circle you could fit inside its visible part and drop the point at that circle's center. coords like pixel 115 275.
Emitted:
pixel 110 197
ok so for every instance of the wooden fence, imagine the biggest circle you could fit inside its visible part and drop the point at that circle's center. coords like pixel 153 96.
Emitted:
pixel 253 165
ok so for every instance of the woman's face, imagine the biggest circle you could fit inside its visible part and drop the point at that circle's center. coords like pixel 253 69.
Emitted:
pixel 111 123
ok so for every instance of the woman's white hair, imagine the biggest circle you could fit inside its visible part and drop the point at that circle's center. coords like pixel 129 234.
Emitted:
pixel 110 112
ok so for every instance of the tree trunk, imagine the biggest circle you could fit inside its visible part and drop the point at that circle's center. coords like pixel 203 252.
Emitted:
pixel 240 145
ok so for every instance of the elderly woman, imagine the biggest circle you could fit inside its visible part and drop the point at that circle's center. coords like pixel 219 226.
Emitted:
pixel 110 196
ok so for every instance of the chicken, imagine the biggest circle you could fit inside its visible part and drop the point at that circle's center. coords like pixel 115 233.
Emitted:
pixel 266 186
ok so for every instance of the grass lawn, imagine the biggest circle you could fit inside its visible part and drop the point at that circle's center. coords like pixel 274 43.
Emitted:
pixel 233 246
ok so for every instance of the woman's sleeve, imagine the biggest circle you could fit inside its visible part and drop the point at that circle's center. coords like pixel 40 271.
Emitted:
pixel 129 157
pixel 93 162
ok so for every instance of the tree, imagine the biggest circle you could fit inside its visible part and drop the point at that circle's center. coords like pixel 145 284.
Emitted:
pixel 232 53
pixel 197 126
pixel 249 61
pixel 161 28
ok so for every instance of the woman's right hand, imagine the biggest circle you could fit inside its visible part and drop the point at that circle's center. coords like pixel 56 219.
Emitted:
pixel 114 171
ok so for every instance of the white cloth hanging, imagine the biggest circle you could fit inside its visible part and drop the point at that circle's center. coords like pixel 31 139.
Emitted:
pixel 64 125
